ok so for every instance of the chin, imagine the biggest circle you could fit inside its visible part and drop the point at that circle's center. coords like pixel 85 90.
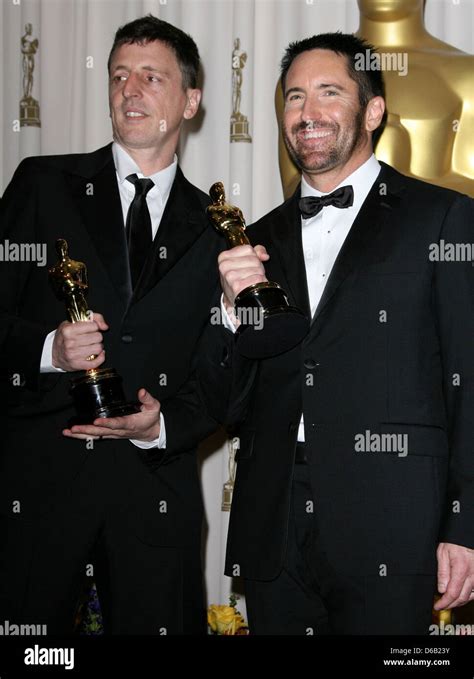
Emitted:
pixel 134 141
pixel 314 162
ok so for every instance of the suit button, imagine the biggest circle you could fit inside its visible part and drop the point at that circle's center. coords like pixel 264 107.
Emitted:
pixel 127 339
pixel 310 363
pixel 225 358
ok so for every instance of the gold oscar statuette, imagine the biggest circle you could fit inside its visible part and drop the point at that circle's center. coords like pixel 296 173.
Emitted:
pixel 239 124
pixel 29 107
pixel 228 488
pixel 269 324
pixel 98 392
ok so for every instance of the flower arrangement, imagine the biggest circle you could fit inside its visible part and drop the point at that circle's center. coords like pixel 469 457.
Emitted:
pixel 89 616
pixel 226 620
pixel 222 620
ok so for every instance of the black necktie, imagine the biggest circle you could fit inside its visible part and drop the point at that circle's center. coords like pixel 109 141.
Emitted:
pixel 138 227
pixel 311 205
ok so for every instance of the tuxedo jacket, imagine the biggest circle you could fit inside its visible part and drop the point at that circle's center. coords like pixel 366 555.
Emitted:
pixel 152 339
pixel 384 379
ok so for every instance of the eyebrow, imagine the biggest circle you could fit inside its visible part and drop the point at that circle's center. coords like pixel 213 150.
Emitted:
pixel 335 85
pixel 152 69
pixel 293 89
pixel 321 86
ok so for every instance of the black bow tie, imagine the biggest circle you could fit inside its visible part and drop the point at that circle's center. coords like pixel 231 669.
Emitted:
pixel 311 205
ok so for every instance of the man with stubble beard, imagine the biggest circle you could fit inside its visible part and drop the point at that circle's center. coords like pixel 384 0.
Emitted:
pixel 353 499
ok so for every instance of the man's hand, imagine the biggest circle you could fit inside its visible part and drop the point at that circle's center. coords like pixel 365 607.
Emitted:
pixel 455 575
pixel 240 267
pixel 142 426
pixel 74 342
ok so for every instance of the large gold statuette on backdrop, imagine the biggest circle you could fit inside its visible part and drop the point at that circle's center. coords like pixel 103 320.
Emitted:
pixel 269 324
pixel 98 392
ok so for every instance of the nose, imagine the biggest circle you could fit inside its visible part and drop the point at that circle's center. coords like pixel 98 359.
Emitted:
pixel 131 87
pixel 311 109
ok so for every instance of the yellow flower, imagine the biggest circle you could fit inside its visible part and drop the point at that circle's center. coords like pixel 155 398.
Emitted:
pixel 224 619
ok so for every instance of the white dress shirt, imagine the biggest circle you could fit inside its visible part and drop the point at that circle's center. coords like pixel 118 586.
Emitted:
pixel 156 199
pixel 324 235
pixel 157 196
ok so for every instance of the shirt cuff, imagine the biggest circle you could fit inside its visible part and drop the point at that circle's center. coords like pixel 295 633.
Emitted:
pixel 160 442
pixel 227 321
pixel 46 363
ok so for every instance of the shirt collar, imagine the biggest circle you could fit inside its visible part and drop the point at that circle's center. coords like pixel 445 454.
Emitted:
pixel 361 181
pixel 125 165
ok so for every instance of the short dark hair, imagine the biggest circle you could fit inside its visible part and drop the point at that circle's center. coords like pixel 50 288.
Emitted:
pixel 370 82
pixel 150 28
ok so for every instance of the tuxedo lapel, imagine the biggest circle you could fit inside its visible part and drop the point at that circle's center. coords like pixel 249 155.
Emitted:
pixel 182 222
pixel 287 242
pixel 361 242
pixel 94 185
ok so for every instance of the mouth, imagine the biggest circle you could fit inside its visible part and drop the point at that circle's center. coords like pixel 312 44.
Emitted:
pixel 313 136
pixel 135 115
pixel 316 134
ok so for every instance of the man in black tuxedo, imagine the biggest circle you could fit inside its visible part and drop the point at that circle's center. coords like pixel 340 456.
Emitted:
pixel 354 494
pixel 119 499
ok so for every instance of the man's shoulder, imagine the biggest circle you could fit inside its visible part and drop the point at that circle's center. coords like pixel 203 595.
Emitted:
pixel 285 211
pixel 184 185
pixel 82 163
pixel 415 191
pixel 423 190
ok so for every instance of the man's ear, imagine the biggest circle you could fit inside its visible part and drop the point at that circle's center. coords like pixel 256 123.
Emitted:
pixel 374 113
pixel 193 98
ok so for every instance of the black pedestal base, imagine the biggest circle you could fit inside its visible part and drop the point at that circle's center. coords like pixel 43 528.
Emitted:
pixel 99 393
pixel 269 324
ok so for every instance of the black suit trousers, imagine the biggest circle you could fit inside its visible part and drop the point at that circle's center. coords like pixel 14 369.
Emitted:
pixel 143 588
pixel 310 597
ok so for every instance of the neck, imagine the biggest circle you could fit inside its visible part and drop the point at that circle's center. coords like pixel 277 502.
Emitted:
pixel 327 181
pixel 151 161
pixel 401 31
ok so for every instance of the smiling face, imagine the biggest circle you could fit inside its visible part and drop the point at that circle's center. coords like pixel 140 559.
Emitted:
pixel 327 133
pixel 146 98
